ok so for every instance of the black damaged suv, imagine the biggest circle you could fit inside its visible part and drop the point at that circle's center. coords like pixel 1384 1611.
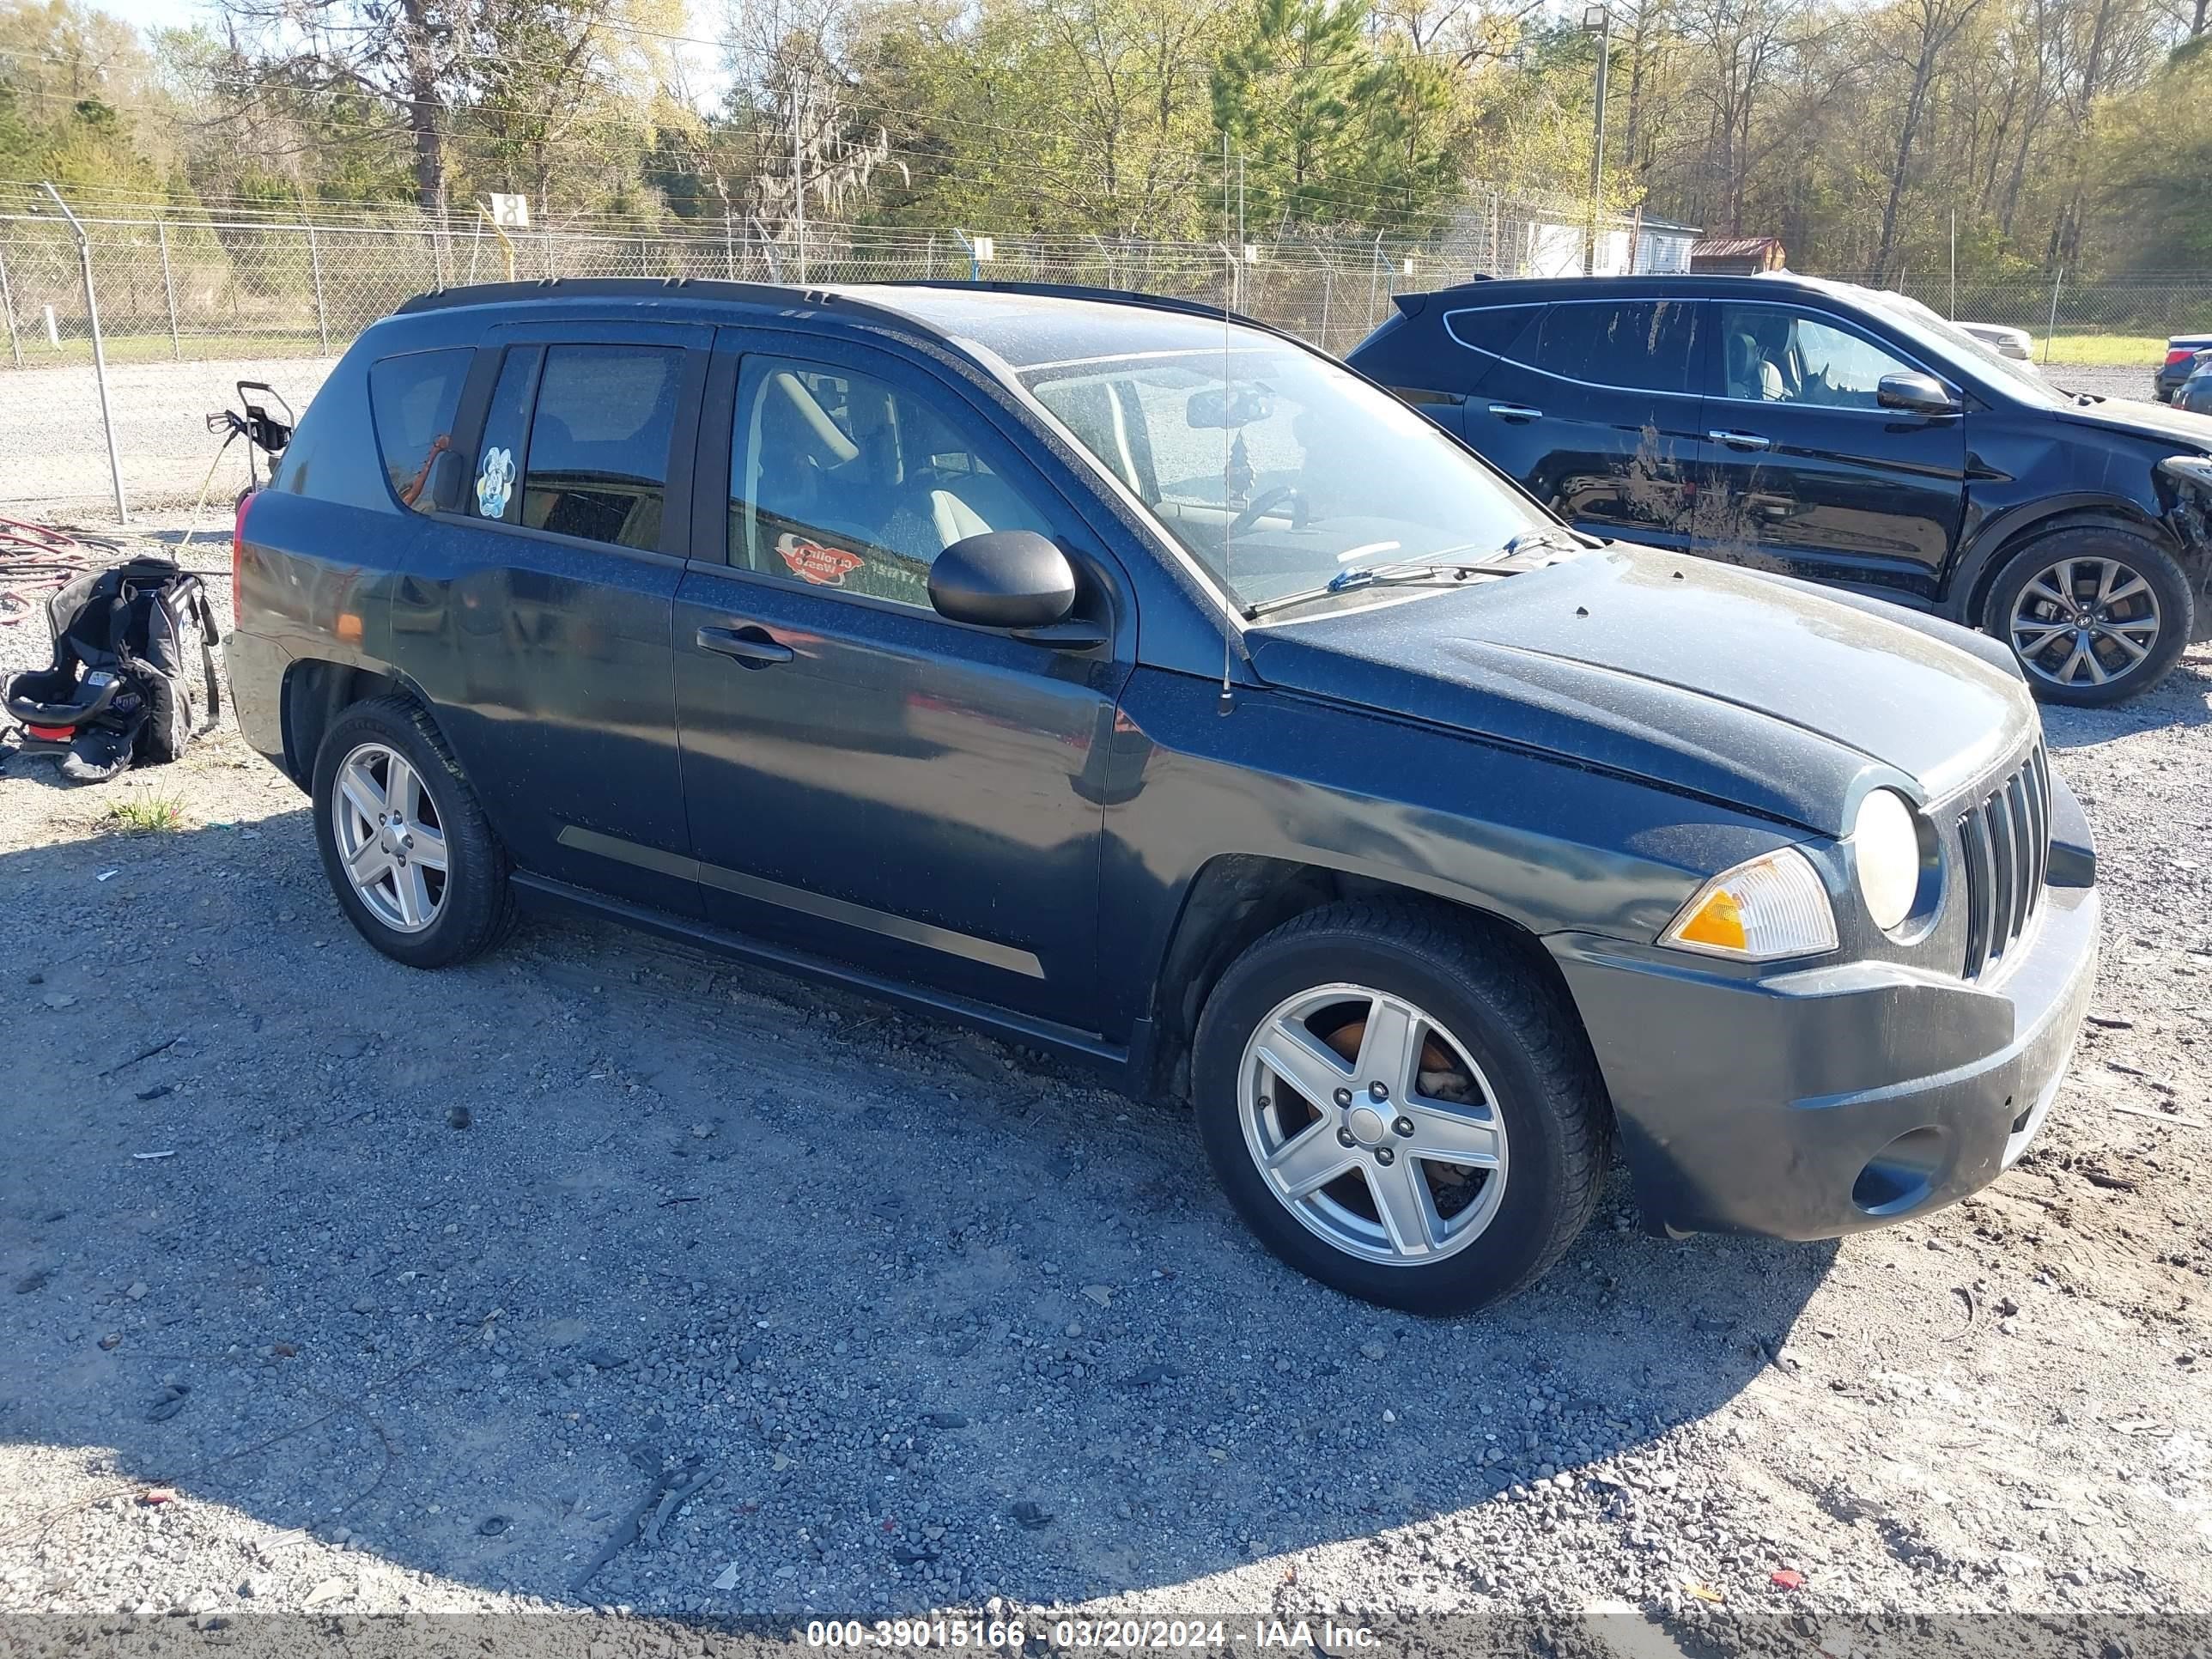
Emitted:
pixel 1840 434
pixel 1139 684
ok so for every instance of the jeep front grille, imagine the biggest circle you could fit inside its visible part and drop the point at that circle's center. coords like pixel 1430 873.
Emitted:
pixel 2004 844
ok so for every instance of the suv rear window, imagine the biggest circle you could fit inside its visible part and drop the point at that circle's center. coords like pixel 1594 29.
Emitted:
pixel 411 400
pixel 1646 345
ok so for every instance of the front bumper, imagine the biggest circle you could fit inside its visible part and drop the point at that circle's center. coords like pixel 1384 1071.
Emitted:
pixel 1829 1100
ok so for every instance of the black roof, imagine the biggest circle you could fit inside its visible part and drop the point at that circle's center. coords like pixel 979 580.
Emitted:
pixel 859 298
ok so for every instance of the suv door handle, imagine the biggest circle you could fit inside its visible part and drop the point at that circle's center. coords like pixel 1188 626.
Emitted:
pixel 1515 412
pixel 751 644
pixel 1740 440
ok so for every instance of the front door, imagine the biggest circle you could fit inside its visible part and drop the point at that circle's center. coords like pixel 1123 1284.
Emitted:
pixel 1805 473
pixel 867 781
pixel 536 613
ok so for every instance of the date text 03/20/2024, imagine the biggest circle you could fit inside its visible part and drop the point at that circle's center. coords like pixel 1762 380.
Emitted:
pixel 1149 1635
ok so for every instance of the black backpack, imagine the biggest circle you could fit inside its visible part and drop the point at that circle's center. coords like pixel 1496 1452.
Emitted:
pixel 134 675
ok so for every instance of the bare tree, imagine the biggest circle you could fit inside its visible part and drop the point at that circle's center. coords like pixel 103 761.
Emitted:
pixel 1926 30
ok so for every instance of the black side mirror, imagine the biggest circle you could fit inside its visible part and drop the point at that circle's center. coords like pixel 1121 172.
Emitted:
pixel 1003 579
pixel 1915 394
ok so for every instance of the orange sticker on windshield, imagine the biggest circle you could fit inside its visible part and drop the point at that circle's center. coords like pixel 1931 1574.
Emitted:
pixel 825 567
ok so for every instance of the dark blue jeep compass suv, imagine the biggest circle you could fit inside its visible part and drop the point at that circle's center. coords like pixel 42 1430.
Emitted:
pixel 1839 434
pixel 1140 684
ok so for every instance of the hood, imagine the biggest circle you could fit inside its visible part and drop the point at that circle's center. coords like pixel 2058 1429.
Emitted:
pixel 1762 693
pixel 2178 427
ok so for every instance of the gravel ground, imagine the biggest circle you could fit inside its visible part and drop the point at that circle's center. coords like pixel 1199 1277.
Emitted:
pixel 414 1290
pixel 53 453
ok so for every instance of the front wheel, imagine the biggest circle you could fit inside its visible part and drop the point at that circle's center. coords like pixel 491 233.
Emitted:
pixel 1397 1113
pixel 2094 615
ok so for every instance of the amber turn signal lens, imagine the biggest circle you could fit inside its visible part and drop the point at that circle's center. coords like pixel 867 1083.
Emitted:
pixel 1719 922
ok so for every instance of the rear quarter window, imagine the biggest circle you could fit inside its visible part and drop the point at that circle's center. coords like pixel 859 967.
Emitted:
pixel 412 399
pixel 1499 330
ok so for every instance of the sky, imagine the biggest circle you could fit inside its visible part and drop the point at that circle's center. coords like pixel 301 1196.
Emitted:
pixel 155 14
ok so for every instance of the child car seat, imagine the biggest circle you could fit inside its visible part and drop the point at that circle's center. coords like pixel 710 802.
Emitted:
pixel 133 675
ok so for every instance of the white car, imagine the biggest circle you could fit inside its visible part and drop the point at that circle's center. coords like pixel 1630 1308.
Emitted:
pixel 2014 342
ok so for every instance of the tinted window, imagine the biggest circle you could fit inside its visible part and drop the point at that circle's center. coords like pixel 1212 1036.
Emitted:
pixel 845 481
pixel 412 400
pixel 1648 345
pixel 1501 330
pixel 598 443
pixel 1773 355
pixel 496 493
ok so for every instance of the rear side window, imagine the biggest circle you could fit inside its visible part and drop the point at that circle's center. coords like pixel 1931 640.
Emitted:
pixel 598 466
pixel 1501 330
pixel 411 399
pixel 1647 345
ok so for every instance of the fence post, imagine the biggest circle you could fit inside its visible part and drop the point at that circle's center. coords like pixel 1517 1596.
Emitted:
pixel 1374 272
pixel 729 245
pixel 549 251
pixel 2057 280
pixel 169 289
pixel 315 264
pixel 1327 272
pixel 99 352
pixel 8 305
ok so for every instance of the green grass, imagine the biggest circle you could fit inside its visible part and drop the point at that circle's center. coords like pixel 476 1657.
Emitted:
pixel 2143 351
pixel 156 348
pixel 146 815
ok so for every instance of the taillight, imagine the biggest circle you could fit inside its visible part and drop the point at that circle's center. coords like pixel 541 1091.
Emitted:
pixel 238 552
pixel 2180 354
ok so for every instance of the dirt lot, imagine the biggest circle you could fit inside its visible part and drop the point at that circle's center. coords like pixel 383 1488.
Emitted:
pixel 414 1289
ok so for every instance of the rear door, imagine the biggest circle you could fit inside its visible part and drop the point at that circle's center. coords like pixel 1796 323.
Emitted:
pixel 1805 473
pixel 1595 407
pixel 536 616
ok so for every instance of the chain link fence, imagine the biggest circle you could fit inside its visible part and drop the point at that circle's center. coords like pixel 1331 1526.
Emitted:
pixel 187 306
pixel 2110 325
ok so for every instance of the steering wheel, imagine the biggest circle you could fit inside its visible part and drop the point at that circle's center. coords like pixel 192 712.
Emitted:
pixel 1301 509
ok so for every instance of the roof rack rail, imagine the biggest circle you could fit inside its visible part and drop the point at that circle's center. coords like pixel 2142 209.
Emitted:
pixel 702 288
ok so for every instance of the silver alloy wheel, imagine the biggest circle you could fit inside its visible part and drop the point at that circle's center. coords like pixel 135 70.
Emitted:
pixel 1387 1156
pixel 389 837
pixel 2085 622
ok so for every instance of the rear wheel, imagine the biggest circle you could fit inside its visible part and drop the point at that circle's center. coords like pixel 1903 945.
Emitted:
pixel 1394 1113
pixel 403 840
pixel 2095 614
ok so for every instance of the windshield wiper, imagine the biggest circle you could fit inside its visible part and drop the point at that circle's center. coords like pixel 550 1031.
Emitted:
pixel 1558 539
pixel 1412 573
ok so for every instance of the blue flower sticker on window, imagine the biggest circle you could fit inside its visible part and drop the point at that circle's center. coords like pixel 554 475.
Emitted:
pixel 496 483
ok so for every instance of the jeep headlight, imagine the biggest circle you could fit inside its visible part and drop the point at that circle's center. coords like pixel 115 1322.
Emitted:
pixel 1884 842
pixel 1767 907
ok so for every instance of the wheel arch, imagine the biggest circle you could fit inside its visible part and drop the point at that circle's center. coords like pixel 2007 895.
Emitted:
pixel 2009 532
pixel 1235 898
pixel 317 690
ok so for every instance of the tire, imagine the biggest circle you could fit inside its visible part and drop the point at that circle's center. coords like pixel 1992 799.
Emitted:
pixel 1513 1053
pixel 412 912
pixel 2084 654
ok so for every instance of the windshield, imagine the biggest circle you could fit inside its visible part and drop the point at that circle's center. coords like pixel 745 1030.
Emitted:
pixel 1911 311
pixel 1274 468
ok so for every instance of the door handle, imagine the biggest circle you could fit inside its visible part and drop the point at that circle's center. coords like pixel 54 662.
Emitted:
pixel 1740 439
pixel 751 644
pixel 1515 412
